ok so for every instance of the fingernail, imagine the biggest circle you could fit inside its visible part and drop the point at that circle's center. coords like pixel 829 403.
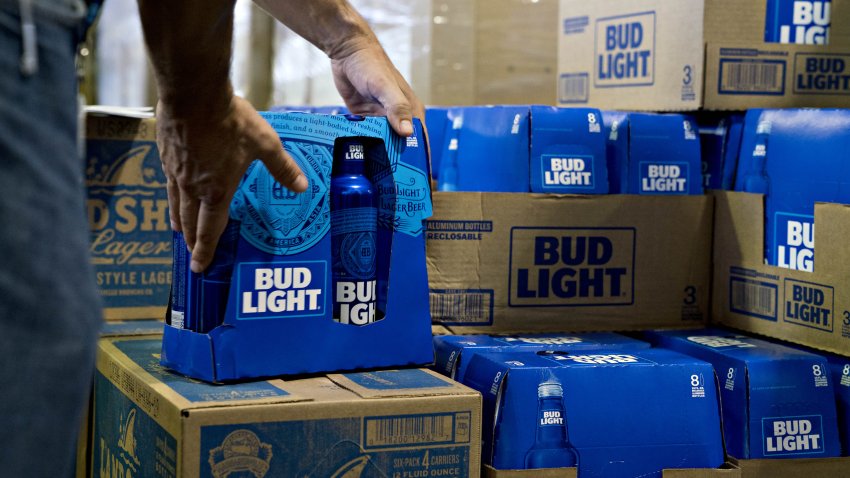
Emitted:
pixel 406 127
pixel 300 184
pixel 196 267
pixel 174 226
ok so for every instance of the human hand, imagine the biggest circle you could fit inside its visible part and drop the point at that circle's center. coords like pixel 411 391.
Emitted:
pixel 204 157
pixel 370 85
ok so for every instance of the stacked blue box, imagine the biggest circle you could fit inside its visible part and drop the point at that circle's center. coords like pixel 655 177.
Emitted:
pixel 664 155
pixel 777 401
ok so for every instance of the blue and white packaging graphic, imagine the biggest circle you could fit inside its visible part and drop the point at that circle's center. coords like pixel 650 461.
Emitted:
pixel 524 148
pixel 794 157
pixel 354 235
pixel 777 401
pixel 720 139
pixel 264 306
pixel 803 22
pixel 840 368
pixel 620 413
pixel 617 150
pixel 664 155
pixel 454 352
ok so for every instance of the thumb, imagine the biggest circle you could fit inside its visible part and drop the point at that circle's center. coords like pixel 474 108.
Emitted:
pixel 280 164
pixel 398 108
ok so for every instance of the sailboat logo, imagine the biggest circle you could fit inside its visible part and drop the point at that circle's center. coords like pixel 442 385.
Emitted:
pixel 127 436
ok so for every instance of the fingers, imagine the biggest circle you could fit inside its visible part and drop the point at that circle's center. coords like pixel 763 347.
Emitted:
pixel 398 107
pixel 281 166
pixel 173 203
pixel 211 220
pixel 189 205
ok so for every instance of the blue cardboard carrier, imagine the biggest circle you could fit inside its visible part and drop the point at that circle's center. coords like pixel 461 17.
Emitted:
pixel 778 402
pixel 454 352
pixel 795 157
pixel 264 307
pixel 618 413
pixel 664 154
pixel 524 148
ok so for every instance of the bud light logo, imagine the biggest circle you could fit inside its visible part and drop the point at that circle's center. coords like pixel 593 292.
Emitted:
pixel 563 267
pixel 666 178
pixel 800 22
pixel 795 242
pixel 273 290
pixel 555 340
pixel 601 359
pixel 793 435
pixel 817 74
pixel 625 50
pixel 717 342
pixel 809 304
pixel 571 171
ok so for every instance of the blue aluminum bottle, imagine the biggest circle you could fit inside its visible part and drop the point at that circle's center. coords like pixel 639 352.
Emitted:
pixel 552 448
pixel 354 223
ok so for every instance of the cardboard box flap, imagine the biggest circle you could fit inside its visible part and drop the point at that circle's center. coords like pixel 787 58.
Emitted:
pixel 794 468
pixel 490 472
pixel 133 365
pixel 125 328
pixel 399 383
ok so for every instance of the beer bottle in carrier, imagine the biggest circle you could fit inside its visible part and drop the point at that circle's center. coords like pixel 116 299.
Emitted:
pixel 552 448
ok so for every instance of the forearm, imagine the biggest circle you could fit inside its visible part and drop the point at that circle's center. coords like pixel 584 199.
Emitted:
pixel 333 26
pixel 189 44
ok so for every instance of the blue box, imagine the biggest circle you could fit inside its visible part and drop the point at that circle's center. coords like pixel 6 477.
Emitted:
pixel 617 150
pixel 524 148
pixel 627 413
pixel 664 154
pixel 720 140
pixel 278 247
pixel 777 401
pixel 438 124
pixel 454 352
pixel 773 149
pixel 840 368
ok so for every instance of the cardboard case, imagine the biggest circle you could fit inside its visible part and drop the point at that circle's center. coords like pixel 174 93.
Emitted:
pixel 693 54
pixel 520 263
pixel 625 413
pixel 778 402
pixel 758 298
pixel 127 208
pixel 150 422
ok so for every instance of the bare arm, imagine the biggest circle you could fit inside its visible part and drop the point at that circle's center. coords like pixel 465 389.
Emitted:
pixel 207 137
pixel 364 75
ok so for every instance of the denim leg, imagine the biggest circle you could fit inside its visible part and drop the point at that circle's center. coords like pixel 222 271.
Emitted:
pixel 49 306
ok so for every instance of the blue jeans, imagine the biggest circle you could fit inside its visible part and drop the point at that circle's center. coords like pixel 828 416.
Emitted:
pixel 49 306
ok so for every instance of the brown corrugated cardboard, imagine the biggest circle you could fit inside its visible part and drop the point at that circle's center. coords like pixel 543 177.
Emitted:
pixel 693 54
pixel 127 209
pixel 637 262
pixel 812 467
pixel 752 296
pixel 490 472
pixel 150 422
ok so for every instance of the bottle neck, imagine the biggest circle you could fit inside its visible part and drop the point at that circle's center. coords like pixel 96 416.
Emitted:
pixel 551 421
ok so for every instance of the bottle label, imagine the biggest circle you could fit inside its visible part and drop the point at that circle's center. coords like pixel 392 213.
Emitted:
pixel 354 242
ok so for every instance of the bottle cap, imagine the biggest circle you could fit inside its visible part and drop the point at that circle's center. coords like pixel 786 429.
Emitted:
pixel 550 389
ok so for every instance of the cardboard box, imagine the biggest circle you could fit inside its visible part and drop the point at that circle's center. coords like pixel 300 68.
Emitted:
pixel 814 467
pixel 751 296
pixel 127 208
pixel 614 413
pixel 634 262
pixel 118 328
pixel 267 298
pixel 454 352
pixel 692 54
pixel 150 422
pixel 778 402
